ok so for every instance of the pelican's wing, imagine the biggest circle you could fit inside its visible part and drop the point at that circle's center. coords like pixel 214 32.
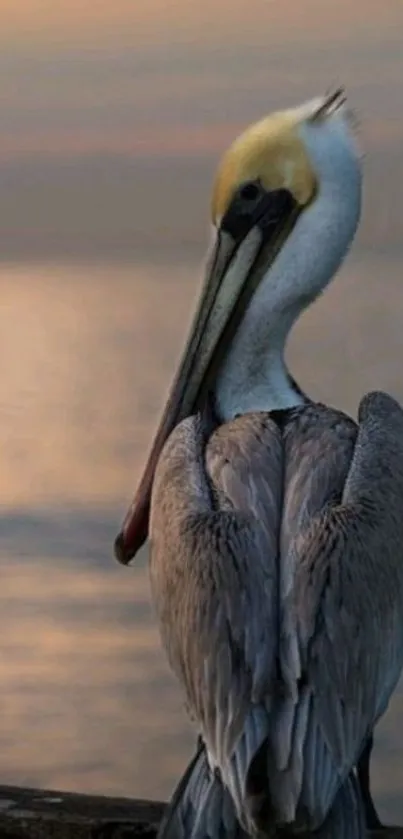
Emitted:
pixel 201 807
pixel 341 585
pixel 319 445
pixel 287 659
pixel 214 536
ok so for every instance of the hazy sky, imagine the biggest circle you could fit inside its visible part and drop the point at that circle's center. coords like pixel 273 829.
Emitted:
pixel 91 94
pixel 47 23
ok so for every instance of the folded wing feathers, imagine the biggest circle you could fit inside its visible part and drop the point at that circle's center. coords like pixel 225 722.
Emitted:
pixel 283 610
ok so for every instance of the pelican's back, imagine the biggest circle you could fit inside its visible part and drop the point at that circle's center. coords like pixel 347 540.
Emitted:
pixel 277 574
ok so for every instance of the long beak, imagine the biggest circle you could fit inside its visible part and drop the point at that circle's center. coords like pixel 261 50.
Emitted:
pixel 242 254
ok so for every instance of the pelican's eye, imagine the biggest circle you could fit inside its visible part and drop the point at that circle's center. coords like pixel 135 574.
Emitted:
pixel 249 192
pixel 252 205
pixel 243 210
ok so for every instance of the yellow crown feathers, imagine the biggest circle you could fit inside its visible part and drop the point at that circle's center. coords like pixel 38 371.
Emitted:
pixel 272 152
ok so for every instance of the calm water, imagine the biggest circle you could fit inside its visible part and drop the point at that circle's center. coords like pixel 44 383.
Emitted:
pixel 87 701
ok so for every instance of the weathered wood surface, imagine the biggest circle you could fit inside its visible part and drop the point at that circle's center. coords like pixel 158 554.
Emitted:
pixel 44 814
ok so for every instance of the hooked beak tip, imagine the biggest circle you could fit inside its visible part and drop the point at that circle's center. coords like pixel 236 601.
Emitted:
pixel 122 555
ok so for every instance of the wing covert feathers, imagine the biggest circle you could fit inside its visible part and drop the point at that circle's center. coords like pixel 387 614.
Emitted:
pixel 277 573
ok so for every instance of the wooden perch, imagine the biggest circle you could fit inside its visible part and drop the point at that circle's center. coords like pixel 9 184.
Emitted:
pixel 41 814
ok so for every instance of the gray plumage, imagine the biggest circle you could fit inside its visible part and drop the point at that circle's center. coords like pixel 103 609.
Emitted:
pixel 277 572
pixel 201 808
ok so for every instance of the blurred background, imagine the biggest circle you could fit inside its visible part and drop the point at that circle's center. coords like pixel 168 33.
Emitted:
pixel 113 117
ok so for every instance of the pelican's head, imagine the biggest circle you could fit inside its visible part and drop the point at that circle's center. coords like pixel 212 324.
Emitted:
pixel 289 150
pixel 285 207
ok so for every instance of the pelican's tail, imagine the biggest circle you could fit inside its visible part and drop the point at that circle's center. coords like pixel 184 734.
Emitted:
pixel 346 819
pixel 201 807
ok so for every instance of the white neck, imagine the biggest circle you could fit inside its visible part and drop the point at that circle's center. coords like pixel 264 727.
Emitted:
pixel 253 376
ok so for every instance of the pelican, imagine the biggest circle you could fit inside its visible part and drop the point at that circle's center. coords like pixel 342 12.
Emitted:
pixel 276 523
